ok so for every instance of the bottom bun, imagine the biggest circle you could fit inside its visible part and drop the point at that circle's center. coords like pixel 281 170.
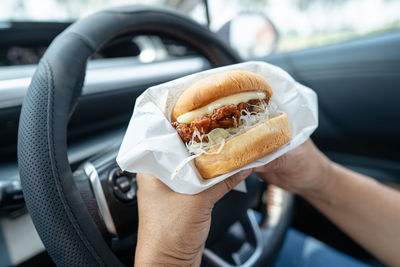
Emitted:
pixel 245 148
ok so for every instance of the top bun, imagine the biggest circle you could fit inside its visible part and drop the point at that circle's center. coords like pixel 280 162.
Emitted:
pixel 216 86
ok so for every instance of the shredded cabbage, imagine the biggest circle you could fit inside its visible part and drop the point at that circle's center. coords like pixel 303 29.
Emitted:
pixel 262 112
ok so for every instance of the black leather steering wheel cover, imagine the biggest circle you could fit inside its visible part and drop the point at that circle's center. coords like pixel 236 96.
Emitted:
pixel 158 21
pixel 53 201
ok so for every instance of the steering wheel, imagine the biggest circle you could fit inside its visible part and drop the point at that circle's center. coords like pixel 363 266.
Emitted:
pixel 79 216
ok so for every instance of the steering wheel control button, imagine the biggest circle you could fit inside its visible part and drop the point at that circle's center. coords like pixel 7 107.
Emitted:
pixel 123 185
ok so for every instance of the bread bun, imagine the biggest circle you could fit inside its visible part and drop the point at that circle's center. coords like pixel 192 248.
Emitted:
pixel 216 86
pixel 245 148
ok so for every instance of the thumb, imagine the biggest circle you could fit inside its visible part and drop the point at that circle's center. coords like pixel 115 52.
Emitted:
pixel 219 190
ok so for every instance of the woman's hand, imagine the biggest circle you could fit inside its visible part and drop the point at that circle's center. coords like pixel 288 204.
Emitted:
pixel 173 227
pixel 304 170
pixel 365 209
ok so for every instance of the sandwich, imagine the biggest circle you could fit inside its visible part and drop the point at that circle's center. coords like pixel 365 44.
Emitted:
pixel 226 121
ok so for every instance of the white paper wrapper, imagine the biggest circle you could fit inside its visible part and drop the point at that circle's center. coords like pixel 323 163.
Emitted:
pixel 151 144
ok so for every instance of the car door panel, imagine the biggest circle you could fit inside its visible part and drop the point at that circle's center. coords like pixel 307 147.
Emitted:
pixel 357 83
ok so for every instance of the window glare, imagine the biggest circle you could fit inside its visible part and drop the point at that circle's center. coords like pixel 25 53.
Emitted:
pixel 70 10
pixel 323 22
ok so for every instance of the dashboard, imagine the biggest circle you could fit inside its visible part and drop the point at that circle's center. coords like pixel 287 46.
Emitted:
pixel 24 43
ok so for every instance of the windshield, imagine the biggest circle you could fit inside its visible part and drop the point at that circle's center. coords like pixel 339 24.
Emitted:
pixel 71 10
pixel 299 24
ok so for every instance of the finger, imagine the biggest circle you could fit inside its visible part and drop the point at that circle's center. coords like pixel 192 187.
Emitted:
pixel 216 192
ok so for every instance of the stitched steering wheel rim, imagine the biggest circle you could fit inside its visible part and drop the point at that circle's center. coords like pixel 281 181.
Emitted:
pixel 53 201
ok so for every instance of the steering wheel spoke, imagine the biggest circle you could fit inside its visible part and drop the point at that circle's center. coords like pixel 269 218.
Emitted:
pixel 114 192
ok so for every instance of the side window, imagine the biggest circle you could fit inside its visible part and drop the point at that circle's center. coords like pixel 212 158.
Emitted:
pixel 300 24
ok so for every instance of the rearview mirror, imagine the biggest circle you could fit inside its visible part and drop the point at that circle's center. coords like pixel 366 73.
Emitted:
pixel 250 34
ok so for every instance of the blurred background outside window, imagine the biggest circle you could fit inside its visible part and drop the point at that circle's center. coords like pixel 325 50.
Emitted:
pixel 292 24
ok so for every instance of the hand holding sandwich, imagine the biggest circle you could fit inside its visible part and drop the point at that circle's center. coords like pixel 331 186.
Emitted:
pixel 173 227
pixel 365 209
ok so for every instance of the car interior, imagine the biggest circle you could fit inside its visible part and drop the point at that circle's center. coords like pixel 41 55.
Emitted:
pixel 63 198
